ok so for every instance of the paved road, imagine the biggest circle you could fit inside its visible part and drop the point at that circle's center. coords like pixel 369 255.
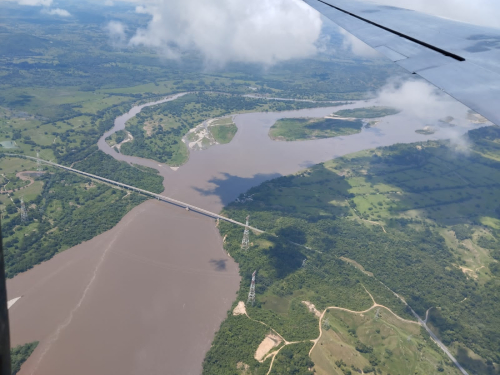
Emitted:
pixel 141 191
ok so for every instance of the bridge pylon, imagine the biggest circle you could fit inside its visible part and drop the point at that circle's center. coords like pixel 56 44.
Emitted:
pixel 251 294
pixel 24 213
pixel 245 242
pixel 39 167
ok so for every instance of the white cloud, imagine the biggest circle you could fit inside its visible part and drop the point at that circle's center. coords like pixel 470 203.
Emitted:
pixel 141 9
pixel 479 12
pixel 263 31
pixel 116 31
pixel 45 3
pixel 57 12
pixel 420 100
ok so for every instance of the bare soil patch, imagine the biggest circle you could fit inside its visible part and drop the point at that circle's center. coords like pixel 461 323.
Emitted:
pixel 312 308
pixel 240 309
pixel 357 265
pixel 270 341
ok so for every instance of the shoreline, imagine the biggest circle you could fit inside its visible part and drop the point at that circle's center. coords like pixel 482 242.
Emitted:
pixel 166 260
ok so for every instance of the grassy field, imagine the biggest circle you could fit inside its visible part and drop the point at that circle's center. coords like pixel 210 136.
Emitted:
pixel 298 129
pixel 421 218
pixel 368 112
pixel 426 182
pixel 377 339
pixel 223 130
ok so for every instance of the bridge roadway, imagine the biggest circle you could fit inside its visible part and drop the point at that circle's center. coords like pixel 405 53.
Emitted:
pixel 141 191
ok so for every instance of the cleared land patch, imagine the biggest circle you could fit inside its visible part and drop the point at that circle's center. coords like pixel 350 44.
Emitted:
pixel 271 341
pixel 375 341
pixel 357 265
pixel 240 309
pixel 211 132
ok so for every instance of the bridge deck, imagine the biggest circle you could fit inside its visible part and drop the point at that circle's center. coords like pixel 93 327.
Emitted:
pixel 141 191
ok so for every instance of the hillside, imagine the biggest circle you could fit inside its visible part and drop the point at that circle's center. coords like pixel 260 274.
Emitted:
pixel 424 219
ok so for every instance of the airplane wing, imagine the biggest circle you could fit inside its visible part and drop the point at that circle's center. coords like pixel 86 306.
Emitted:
pixel 461 59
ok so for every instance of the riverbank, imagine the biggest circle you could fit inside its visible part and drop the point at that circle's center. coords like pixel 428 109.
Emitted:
pixel 162 272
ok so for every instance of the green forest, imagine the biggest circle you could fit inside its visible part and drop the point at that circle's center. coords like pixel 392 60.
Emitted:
pixel 69 210
pixel 417 217
pixel 369 112
pixel 103 165
pixel 19 355
pixel 300 129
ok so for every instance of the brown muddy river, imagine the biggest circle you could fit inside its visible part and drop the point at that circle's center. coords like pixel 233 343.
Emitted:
pixel 147 296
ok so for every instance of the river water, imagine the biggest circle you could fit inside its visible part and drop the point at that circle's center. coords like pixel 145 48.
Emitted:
pixel 147 296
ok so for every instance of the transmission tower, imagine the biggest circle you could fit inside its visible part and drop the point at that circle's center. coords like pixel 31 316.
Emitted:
pixel 24 214
pixel 38 162
pixel 245 243
pixel 251 294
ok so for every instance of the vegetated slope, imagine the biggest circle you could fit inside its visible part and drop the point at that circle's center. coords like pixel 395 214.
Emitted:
pixel 158 130
pixel 375 340
pixel 297 129
pixel 20 354
pixel 394 211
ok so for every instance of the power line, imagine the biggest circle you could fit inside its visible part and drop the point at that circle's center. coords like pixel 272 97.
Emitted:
pixel 24 213
pixel 39 167
pixel 245 242
pixel 251 294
